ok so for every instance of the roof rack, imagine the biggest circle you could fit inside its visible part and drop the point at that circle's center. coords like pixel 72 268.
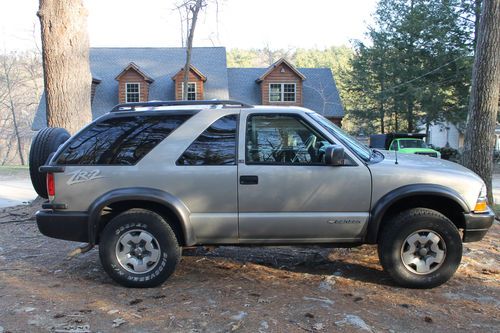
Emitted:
pixel 215 102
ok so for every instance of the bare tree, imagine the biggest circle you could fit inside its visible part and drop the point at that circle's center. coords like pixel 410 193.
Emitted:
pixel 483 107
pixel 269 56
pixel 11 79
pixel 325 98
pixel 20 85
pixel 65 50
pixel 6 156
pixel 189 10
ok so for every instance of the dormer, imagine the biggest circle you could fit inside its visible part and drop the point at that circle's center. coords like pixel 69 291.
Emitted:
pixel 196 82
pixel 133 84
pixel 281 84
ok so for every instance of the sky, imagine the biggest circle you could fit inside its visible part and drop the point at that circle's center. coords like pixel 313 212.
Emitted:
pixel 241 23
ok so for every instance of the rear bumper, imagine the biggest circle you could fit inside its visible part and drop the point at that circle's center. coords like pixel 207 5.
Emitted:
pixel 477 225
pixel 63 225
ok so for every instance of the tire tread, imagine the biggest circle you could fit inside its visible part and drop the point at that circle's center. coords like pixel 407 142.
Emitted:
pixel 43 144
pixel 391 232
pixel 138 214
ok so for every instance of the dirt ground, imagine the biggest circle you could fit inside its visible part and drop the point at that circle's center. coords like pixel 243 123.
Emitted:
pixel 237 289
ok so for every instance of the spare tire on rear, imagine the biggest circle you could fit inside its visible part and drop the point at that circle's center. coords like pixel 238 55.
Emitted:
pixel 45 142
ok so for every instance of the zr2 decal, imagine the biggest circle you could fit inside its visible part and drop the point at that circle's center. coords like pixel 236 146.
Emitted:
pixel 80 176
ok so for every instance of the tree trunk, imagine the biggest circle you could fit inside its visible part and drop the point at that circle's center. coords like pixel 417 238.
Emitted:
pixel 9 147
pixel 409 113
pixel 382 116
pixel 65 53
pixel 477 16
pixel 483 106
pixel 381 107
pixel 16 130
pixel 189 47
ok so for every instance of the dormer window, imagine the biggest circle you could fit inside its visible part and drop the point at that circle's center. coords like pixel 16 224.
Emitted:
pixel 196 82
pixel 191 92
pixel 132 92
pixel 281 84
pixel 282 92
pixel 133 84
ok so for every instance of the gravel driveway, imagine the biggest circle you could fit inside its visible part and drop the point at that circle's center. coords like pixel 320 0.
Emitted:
pixel 235 289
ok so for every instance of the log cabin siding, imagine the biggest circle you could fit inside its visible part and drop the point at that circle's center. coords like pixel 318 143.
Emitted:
pixel 282 74
pixel 193 77
pixel 131 76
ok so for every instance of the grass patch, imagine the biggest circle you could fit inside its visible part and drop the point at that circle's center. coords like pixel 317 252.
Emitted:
pixel 14 167
pixel 14 171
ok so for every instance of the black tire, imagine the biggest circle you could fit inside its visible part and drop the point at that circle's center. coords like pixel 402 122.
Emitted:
pixel 45 142
pixel 395 249
pixel 139 222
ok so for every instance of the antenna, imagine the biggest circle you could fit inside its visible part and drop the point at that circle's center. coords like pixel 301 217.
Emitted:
pixel 396 156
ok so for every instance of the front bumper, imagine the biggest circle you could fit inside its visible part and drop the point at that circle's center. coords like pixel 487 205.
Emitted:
pixel 71 226
pixel 477 225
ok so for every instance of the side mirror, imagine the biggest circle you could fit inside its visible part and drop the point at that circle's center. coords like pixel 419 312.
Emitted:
pixel 334 155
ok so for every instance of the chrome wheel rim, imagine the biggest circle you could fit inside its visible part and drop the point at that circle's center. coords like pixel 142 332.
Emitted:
pixel 423 252
pixel 137 251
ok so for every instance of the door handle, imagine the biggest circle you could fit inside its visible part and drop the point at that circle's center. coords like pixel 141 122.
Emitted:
pixel 249 180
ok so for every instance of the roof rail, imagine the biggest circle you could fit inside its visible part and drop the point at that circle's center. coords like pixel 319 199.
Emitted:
pixel 215 102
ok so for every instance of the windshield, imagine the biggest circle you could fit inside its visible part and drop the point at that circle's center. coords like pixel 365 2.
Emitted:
pixel 360 149
pixel 412 143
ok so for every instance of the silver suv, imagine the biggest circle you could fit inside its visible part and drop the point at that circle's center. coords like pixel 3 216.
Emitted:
pixel 147 179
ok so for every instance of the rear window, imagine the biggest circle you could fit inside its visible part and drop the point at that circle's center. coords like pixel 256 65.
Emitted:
pixel 119 140
pixel 215 146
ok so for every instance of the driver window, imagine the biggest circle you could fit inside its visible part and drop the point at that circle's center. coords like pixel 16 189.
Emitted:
pixel 283 139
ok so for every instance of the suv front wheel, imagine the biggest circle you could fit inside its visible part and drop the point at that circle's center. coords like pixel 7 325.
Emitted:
pixel 138 248
pixel 420 248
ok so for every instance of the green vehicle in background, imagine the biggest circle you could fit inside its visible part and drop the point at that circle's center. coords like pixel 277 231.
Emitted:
pixel 405 143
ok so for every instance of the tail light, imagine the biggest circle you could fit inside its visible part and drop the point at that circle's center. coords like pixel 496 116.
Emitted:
pixel 51 186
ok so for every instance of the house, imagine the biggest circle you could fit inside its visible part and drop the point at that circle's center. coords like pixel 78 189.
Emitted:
pixel 445 134
pixel 497 137
pixel 121 75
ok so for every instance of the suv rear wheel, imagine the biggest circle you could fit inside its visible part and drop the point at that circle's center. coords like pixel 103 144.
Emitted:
pixel 420 248
pixel 138 248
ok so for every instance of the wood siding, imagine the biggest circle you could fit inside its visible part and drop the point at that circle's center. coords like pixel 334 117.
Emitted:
pixel 281 74
pixel 92 91
pixel 336 120
pixel 131 76
pixel 193 77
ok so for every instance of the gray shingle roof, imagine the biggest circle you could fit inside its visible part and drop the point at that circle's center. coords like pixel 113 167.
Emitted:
pixel 319 93
pixel 319 90
pixel 160 63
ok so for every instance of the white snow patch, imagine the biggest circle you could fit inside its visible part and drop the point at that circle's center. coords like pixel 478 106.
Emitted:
pixel 240 316
pixel 322 299
pixel 355 321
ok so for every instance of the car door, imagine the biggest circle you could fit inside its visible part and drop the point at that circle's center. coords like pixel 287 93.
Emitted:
pixel 286 193
pixel 205 176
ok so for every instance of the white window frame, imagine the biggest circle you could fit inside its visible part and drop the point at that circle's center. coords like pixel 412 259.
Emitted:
pixel 282 94
pixel 195 91
pixel 138 91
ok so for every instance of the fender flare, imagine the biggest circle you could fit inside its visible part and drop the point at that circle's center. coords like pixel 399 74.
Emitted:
pixel 384 203
pixel 141 194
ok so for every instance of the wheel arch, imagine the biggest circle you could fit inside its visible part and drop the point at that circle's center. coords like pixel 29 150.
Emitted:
pixel 440 198
pixel 161 202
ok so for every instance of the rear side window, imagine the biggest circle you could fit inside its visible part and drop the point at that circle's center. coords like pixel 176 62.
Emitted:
pixel 215 146
pixel 119 140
